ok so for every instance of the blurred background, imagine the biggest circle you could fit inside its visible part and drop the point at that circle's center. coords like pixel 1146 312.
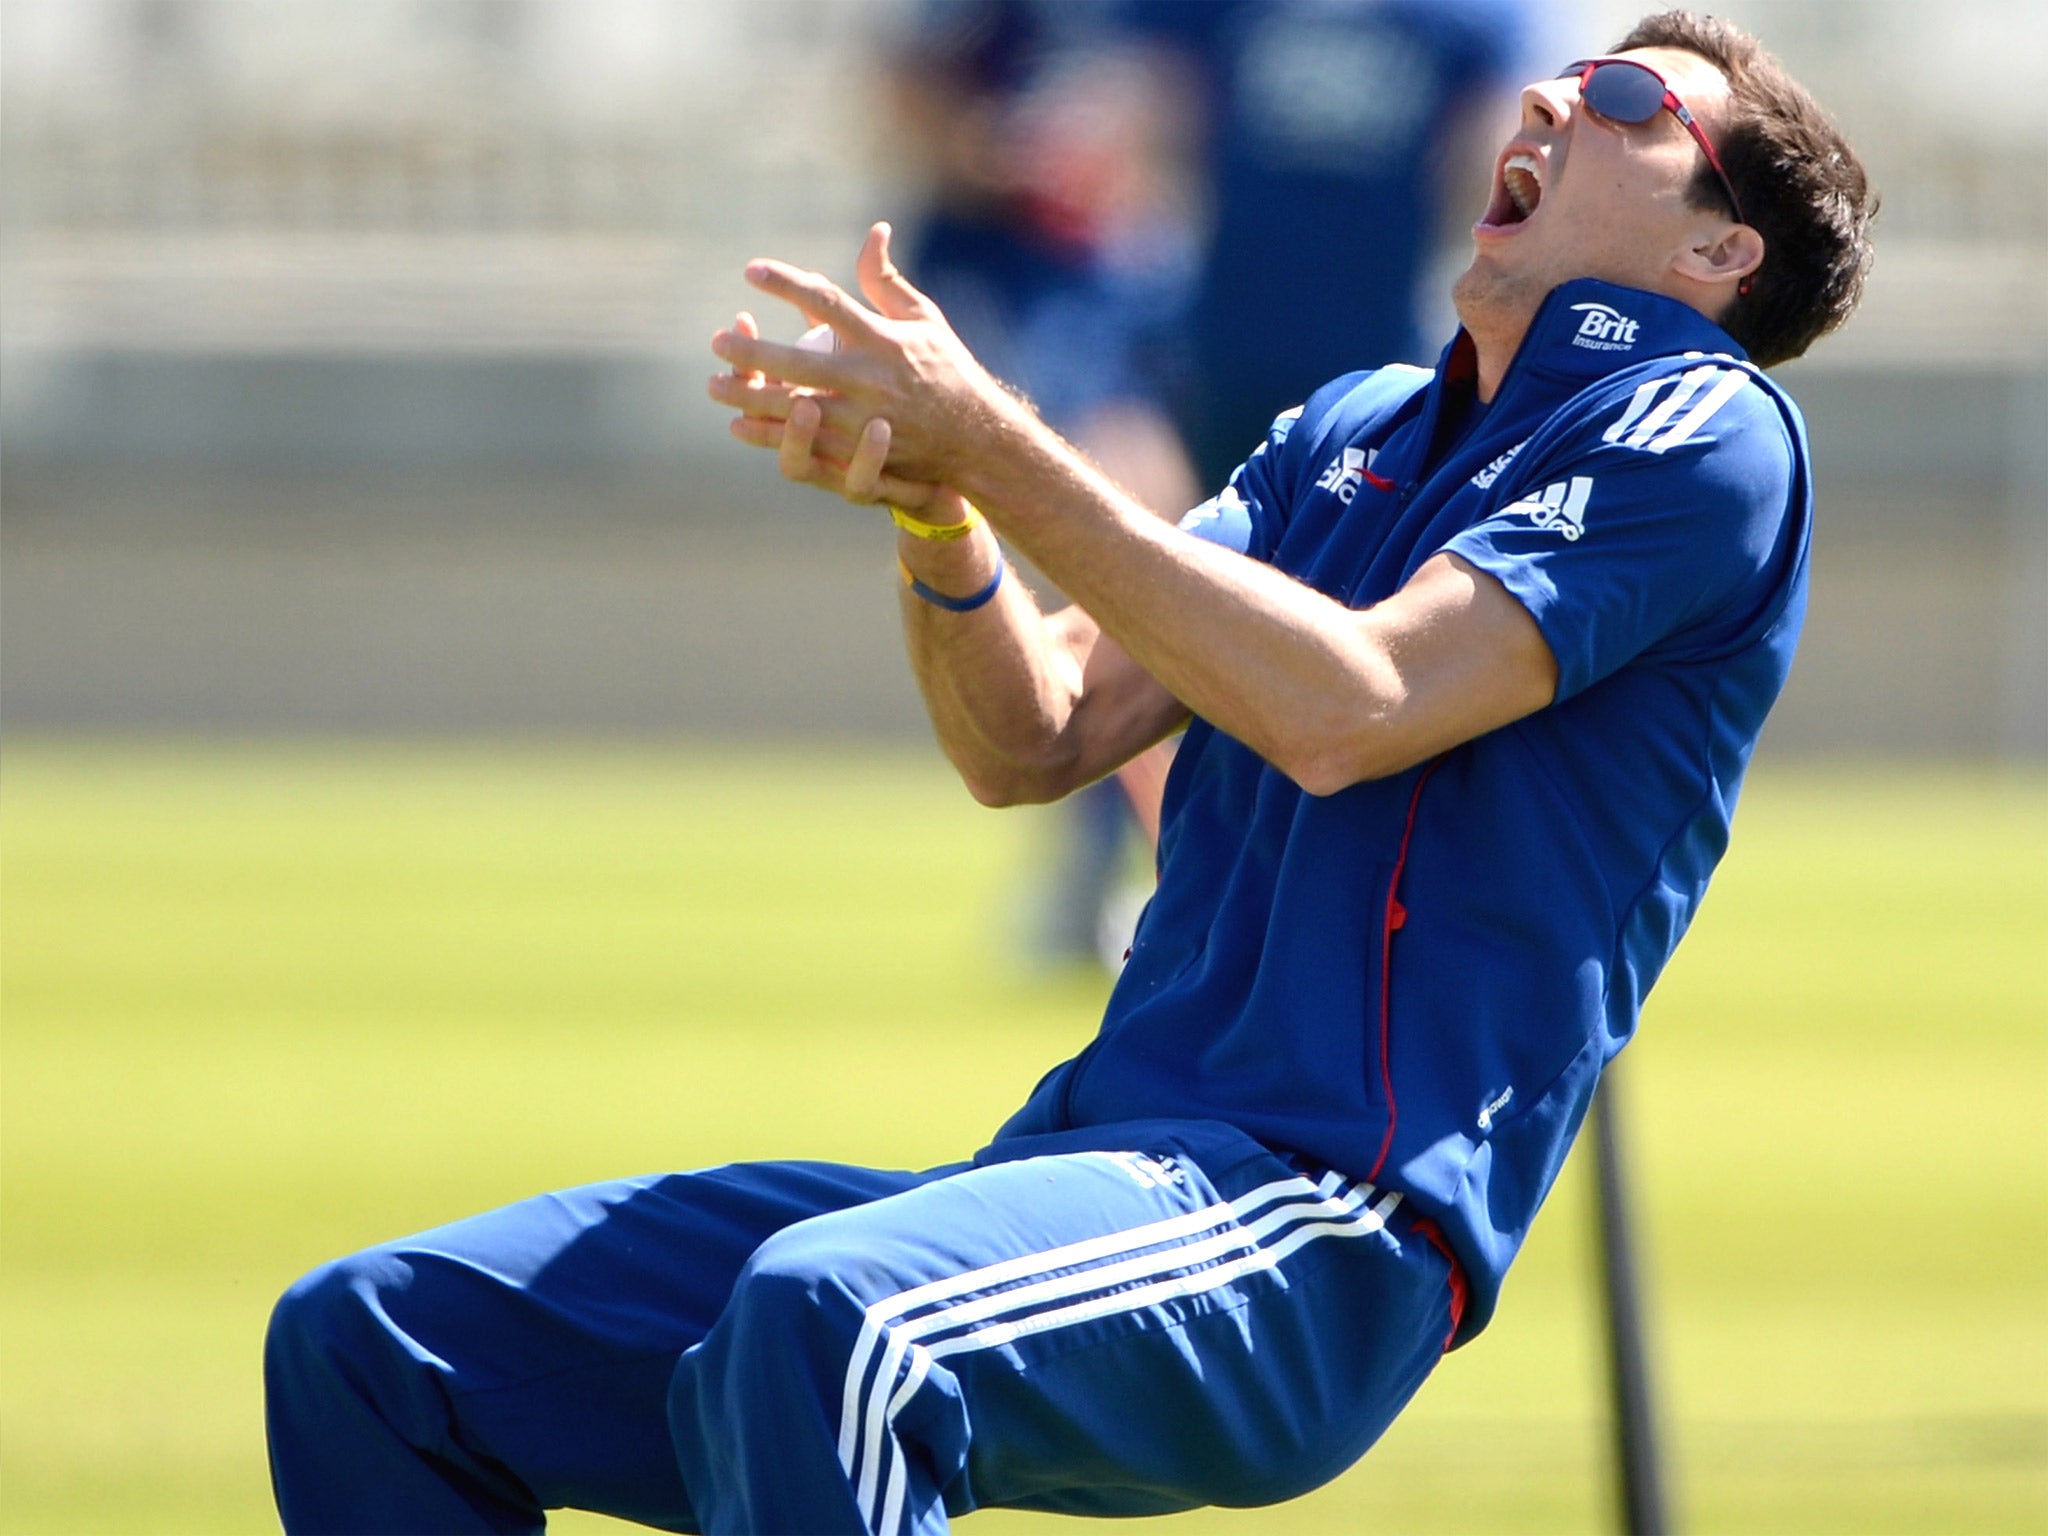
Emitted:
pixel 406 687
pixel 353 360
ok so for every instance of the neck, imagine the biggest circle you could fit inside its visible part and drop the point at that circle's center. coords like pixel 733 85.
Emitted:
pixel 1495 347
pixel 1497 332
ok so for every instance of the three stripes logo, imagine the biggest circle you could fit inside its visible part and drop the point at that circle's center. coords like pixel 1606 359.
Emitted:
pixel 1671 410
pixel 1560 505
pixel 1348 470
pixel 903 1336
pixel 1662 414
pixel 1343 475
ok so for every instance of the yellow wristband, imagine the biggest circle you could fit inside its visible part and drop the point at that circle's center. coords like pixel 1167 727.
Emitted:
pixel 940 533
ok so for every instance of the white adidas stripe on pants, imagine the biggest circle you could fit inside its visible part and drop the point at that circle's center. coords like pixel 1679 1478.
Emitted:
pixel 1301 1213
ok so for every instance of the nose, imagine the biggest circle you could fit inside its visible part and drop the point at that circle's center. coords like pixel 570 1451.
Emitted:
pixel 1549 103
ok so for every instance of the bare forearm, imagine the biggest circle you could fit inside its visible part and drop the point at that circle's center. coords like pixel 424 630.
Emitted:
pixel 1296 676
pixel 999 691
pixel 1326 694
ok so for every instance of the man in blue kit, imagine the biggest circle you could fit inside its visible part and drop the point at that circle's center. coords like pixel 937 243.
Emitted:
pixel 1472 660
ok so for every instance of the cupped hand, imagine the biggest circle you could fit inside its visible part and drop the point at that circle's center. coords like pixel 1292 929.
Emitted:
pixel 898 361
pixel 806 452
pixel 857 475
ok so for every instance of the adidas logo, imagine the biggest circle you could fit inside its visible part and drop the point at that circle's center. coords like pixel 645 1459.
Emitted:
pixel 1673 410
pixel 1343 476
pixel 1560 505
pixel 1348 470
pixel 1150 1172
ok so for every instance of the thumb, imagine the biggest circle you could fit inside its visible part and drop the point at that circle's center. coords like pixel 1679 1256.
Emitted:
pixel 884 286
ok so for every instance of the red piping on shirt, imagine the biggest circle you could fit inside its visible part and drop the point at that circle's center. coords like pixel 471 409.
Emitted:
pixel 1425 1228
pixel 1396 915
pixel 1378 482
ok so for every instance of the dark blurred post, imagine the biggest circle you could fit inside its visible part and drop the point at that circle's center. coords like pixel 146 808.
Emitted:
pixel 1634 1407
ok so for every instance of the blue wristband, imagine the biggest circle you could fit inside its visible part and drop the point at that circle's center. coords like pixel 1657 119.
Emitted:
pixel 939 599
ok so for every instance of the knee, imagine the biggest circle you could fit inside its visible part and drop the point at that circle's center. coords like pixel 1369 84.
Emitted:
pixel 792 1276
pixel 330 1312
pixel 794 1303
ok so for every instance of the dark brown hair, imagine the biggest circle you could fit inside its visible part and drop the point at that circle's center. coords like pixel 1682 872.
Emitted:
pixel 1801 185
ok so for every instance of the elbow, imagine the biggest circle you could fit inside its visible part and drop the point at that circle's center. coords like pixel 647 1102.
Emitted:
pixel 997 792
pixel 1325 774
pixel 1335 737
pixel 1320 777
pixel 1332 762
pixel 1000 786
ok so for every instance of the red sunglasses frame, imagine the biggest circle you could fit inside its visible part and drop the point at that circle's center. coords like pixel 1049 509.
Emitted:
pixel 1582 70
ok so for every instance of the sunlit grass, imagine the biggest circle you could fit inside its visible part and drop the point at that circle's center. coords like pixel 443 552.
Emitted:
pixel 265 1004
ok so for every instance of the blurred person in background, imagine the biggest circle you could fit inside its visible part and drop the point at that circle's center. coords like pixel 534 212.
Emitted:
pixel 1341 143
pixel 1054 231
pixel 1071 146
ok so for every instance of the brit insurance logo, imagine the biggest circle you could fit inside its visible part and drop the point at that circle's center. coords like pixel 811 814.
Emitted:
pixel 1605 329
pixel 1560 506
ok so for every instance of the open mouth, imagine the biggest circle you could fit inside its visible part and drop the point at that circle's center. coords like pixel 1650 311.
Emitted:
pixel 1517 190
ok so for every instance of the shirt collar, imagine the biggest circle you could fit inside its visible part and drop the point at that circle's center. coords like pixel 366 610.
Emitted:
pixel 1584 330
pixel 1587 329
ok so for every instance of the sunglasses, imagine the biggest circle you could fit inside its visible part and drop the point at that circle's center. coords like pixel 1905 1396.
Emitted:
pixel 1627 92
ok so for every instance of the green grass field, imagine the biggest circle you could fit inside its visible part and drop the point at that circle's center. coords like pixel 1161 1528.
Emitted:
pixel 265 1004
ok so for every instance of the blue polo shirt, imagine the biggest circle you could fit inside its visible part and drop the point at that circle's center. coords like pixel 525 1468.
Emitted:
pixel 1417 980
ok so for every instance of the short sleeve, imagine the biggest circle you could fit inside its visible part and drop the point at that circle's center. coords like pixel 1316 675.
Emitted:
pixel 1250 512
pixel 1639 541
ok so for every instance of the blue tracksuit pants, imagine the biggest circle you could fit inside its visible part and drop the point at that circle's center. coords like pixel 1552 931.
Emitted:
pixel 1125 1319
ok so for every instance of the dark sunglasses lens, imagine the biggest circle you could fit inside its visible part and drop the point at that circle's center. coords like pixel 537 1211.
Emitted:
pixel 1626 93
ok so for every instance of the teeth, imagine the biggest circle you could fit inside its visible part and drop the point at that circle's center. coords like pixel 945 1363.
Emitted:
pixel 1523 177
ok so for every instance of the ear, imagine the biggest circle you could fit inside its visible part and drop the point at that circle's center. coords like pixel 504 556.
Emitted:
pixel 1725 254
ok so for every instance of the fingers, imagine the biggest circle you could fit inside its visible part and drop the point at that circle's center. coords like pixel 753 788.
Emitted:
pixel 796 448
pixel 885 287
pixel 746 390
pixel 756 433
pixel 816 295
pixel 768 403
pixel 807 455
pixel 911 495
pixel 864 469
pixel 793 365
pixel 833 446
pixel 862 479
pixel 746 325
pixel 799 432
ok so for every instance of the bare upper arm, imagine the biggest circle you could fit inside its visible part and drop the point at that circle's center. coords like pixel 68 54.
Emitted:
pixel 1119 708
pixel 1449 657
pixel 1465 658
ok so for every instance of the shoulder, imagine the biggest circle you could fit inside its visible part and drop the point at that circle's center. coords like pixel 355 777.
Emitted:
pixel 1670 405
pixel 1356 402
pixel 1252 512
pixel 1354 409
pixel 1343 411
pixel 1694 462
